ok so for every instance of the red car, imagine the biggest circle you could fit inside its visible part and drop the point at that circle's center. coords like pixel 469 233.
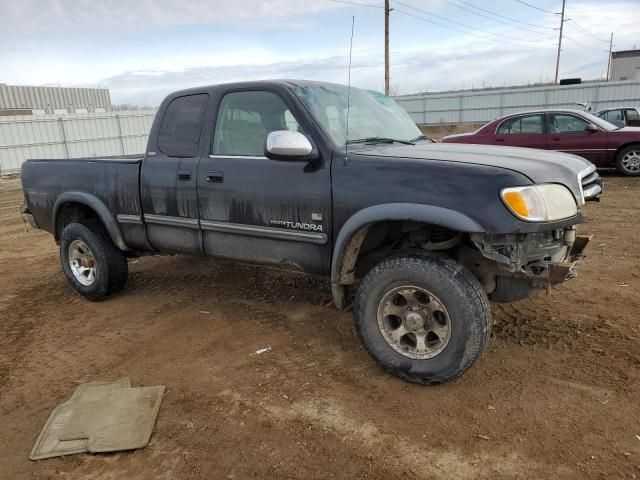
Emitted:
pixel 570 131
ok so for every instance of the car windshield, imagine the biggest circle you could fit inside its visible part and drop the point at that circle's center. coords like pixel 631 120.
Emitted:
pixel 373 117
pixel 600 122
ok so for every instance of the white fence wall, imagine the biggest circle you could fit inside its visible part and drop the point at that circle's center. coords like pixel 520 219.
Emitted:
pixel 71 136
pixel 475 106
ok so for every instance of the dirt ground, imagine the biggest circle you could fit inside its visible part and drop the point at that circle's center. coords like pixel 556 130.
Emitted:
pixel 556 396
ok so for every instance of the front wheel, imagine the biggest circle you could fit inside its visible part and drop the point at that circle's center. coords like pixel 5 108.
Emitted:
pixel 423 317
pixel 93 265
pixel 628 161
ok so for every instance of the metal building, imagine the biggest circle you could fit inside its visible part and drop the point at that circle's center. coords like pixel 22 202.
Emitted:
pixel 23 100
pixel 625 65
pixel 479 106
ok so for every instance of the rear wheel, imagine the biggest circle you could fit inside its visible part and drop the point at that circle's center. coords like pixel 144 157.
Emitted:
pixel 93 265
pixel 423 317
pixel 628 161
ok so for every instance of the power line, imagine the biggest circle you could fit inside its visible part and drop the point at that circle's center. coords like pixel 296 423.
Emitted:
pixel 585 31
pixel 575 42
pixel 533 6
pixel 359 4
pixel 502 42
pixel 513 20
pixel 453 21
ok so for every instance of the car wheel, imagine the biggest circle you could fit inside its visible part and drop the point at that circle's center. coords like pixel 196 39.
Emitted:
pixel 628 161
pixel 423 317
pixel 93 265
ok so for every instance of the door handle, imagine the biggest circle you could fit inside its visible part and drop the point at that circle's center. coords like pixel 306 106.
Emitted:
pixel 184 175
pixel 499 139
pixel 215 177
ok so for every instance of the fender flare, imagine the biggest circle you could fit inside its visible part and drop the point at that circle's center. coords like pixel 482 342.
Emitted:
pixel 97 205
pixel 443 217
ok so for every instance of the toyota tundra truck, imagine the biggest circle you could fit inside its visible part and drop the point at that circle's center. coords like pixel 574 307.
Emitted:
pixel 329 180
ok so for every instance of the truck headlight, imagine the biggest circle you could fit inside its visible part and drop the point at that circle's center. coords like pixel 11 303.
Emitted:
pixel 540 203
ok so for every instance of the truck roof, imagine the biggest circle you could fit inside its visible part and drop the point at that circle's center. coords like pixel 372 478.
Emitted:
pixel 253 83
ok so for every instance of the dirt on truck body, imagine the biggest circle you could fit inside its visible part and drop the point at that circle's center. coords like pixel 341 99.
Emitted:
pixel 558 395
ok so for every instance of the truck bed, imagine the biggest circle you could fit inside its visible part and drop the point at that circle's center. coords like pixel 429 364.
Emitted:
pixel 113 180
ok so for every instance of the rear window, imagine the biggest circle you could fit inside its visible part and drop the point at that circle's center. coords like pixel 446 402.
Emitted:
pixel 181 125
pixel 633 115
pixel 522 125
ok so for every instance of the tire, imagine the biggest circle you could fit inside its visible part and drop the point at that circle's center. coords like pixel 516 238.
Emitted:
pixel 455 298
pixel 85 245
pixel 628 161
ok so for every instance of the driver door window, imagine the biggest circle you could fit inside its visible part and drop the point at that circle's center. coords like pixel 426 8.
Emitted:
pixel 244 121
pixel 560 124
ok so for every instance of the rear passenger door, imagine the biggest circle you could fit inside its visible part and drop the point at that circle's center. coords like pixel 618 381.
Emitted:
pixel 256 209
pixel 168 177
pixel 522 131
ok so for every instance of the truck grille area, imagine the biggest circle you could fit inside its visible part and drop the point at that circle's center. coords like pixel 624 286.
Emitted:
pixel 591 186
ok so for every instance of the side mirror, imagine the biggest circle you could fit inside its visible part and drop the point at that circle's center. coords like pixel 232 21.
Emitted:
pixel 288 145
pixel 591 128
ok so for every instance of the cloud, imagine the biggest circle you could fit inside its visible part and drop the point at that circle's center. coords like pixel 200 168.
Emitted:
pixel 414 70
pixel 116 15
pixel 144 49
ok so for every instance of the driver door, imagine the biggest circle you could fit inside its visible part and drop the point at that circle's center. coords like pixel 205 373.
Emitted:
pixel 260 210
pixel 568 133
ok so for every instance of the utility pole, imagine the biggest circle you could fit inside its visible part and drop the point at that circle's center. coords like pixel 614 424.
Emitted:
pixel 610 50
pixel 560 40
pixel 386 47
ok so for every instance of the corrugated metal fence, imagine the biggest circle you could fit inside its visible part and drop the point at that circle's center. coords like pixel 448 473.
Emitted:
pixel 74 135
pixel 475 106
pixel 49 99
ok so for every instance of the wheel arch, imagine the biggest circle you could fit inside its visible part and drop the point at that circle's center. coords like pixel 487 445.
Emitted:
pixel 93 204
pixel 355 229
pixel 623 146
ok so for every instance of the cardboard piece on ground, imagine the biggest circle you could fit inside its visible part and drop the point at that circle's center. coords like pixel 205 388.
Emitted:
pixel 96 419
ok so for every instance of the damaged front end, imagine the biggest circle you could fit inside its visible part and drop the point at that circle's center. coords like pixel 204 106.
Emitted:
pixel 513 266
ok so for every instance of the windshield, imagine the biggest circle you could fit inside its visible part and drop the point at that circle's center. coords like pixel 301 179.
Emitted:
pixel 372 115
pixel 603 124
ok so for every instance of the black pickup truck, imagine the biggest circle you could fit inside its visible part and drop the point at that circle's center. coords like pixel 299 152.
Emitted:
pixel 417 235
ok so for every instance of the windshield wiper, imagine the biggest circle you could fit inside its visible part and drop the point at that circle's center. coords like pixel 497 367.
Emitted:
pixel 379 140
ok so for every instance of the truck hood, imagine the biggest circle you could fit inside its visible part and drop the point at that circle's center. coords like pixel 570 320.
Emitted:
pixel 541 166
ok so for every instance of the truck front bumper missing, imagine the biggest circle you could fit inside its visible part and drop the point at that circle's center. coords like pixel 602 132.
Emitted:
pixel 567 270
pixel 513 266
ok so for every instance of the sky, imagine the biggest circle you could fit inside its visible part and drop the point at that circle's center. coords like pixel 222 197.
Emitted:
pixel 143 49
